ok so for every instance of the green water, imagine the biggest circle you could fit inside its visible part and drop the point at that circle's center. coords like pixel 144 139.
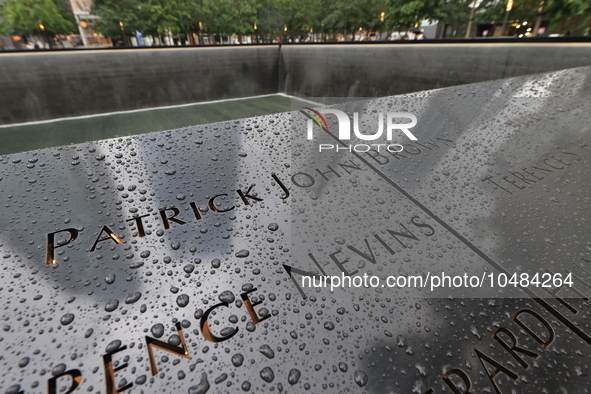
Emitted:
pixel 71 131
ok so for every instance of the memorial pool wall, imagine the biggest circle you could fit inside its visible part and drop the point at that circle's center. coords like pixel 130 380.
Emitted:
pixel 48 85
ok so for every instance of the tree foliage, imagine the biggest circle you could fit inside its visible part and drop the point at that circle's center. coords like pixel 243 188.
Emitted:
pixel 287 18
pixel 229 16
pixel 404 14
pixel 119 17
pixel 300 15
pixel 30 17
pixel 563 11
pixel 291 18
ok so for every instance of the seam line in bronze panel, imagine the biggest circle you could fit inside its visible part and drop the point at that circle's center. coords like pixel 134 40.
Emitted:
pixel 563 319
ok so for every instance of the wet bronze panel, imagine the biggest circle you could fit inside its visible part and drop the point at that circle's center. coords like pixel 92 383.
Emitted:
pixel 158 262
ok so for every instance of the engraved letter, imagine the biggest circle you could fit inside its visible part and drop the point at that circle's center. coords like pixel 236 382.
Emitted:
pixel 110 235
pixel 205 326
pixel 541 341
pixel 250 306
pixel 51 247
pixel 179 350
pixel 110 372
pixel 76 380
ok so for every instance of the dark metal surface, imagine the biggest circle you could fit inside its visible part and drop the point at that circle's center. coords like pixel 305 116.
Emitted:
pixel 135 286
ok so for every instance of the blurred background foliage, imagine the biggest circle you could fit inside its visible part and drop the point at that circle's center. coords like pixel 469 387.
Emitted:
pixel 285 18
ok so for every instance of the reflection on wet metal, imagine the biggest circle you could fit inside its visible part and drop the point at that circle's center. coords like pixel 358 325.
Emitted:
pixel 173 261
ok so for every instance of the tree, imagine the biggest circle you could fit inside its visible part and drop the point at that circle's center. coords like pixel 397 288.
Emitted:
pixel 119 18
pixel 166 16
pixel 230 16
pixel 454 13
pixel 35 17
pixel 569 14
pixel 374 9
pixel 404 14
pixel 269 19
pixel 344 16
pixel 563 15
pixel 300 15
